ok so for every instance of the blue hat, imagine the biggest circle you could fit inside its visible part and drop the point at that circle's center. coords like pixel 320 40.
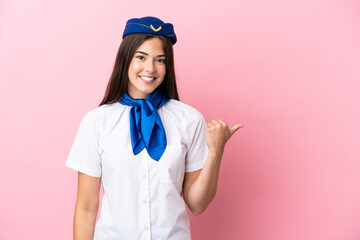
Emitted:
pixel 150 25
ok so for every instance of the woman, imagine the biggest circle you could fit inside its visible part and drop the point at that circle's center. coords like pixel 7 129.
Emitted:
pixel 152 152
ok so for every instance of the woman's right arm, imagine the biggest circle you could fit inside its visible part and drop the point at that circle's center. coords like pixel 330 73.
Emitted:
pixel 86 208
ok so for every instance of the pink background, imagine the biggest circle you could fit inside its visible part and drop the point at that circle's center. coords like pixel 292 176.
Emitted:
pixel 288 70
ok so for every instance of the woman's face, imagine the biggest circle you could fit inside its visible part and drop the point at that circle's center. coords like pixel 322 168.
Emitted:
pixel 147 68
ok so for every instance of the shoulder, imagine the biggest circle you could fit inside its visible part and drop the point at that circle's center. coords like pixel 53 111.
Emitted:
pixel 182 111
pixel 103 112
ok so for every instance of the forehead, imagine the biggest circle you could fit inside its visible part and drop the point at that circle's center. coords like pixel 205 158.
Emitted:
pixel 152 46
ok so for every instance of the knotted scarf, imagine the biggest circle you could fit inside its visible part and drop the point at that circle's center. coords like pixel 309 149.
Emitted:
pixel 146 128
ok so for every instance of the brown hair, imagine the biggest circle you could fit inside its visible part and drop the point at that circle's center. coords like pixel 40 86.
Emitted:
pixel 119 79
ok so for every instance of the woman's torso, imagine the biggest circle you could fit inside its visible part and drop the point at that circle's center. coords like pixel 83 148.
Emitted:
pixel 142 197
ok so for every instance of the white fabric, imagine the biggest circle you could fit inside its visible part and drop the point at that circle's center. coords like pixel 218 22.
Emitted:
pixel 142 197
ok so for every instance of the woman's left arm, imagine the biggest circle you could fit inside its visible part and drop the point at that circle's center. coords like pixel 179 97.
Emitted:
pixel 199 187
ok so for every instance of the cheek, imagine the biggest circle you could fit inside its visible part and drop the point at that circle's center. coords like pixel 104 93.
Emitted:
pixel 134 68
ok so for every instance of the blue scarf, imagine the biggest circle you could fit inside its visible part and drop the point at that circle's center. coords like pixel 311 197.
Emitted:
pixel 146 128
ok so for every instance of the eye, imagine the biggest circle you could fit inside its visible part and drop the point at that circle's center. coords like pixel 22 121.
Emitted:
pixel 140 57
pixel 161 60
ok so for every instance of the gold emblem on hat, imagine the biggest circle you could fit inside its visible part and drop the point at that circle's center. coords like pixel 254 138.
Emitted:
pixel 155 30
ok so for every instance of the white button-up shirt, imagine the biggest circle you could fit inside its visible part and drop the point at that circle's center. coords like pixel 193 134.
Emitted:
pixel 142 197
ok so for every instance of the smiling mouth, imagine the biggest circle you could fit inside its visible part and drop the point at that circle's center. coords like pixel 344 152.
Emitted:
pixel 147 79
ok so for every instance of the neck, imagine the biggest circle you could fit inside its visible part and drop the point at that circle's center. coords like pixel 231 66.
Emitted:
pixel 141 95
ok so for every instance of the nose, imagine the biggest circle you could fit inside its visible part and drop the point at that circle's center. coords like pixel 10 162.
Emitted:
pixel 150 67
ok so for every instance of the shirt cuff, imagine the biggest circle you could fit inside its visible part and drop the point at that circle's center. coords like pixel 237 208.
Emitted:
pixel 195 166
pixel 87 171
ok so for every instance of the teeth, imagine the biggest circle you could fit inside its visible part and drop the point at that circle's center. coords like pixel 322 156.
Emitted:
pixel 147 78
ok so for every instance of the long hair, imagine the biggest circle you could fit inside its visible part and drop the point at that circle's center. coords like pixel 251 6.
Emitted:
pixel 119 78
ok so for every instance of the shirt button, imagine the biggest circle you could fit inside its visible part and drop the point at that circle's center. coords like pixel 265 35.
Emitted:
pixel 144 176
pixel 147 227
pixel 144 201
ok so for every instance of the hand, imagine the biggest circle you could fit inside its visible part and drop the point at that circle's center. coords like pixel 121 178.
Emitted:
pixel 217 134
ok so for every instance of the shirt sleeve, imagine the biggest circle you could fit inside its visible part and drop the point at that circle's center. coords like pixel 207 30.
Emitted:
pixel 84 154
pixel 197 146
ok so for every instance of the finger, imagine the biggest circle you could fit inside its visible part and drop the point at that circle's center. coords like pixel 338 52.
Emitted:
pixel 216 123
pixel 235 128
pixel 210 126
pixel 223 123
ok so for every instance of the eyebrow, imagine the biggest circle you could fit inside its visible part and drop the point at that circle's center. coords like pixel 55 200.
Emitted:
pixel 163 55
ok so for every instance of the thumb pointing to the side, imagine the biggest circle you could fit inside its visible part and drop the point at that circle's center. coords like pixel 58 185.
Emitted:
pixel 235 128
